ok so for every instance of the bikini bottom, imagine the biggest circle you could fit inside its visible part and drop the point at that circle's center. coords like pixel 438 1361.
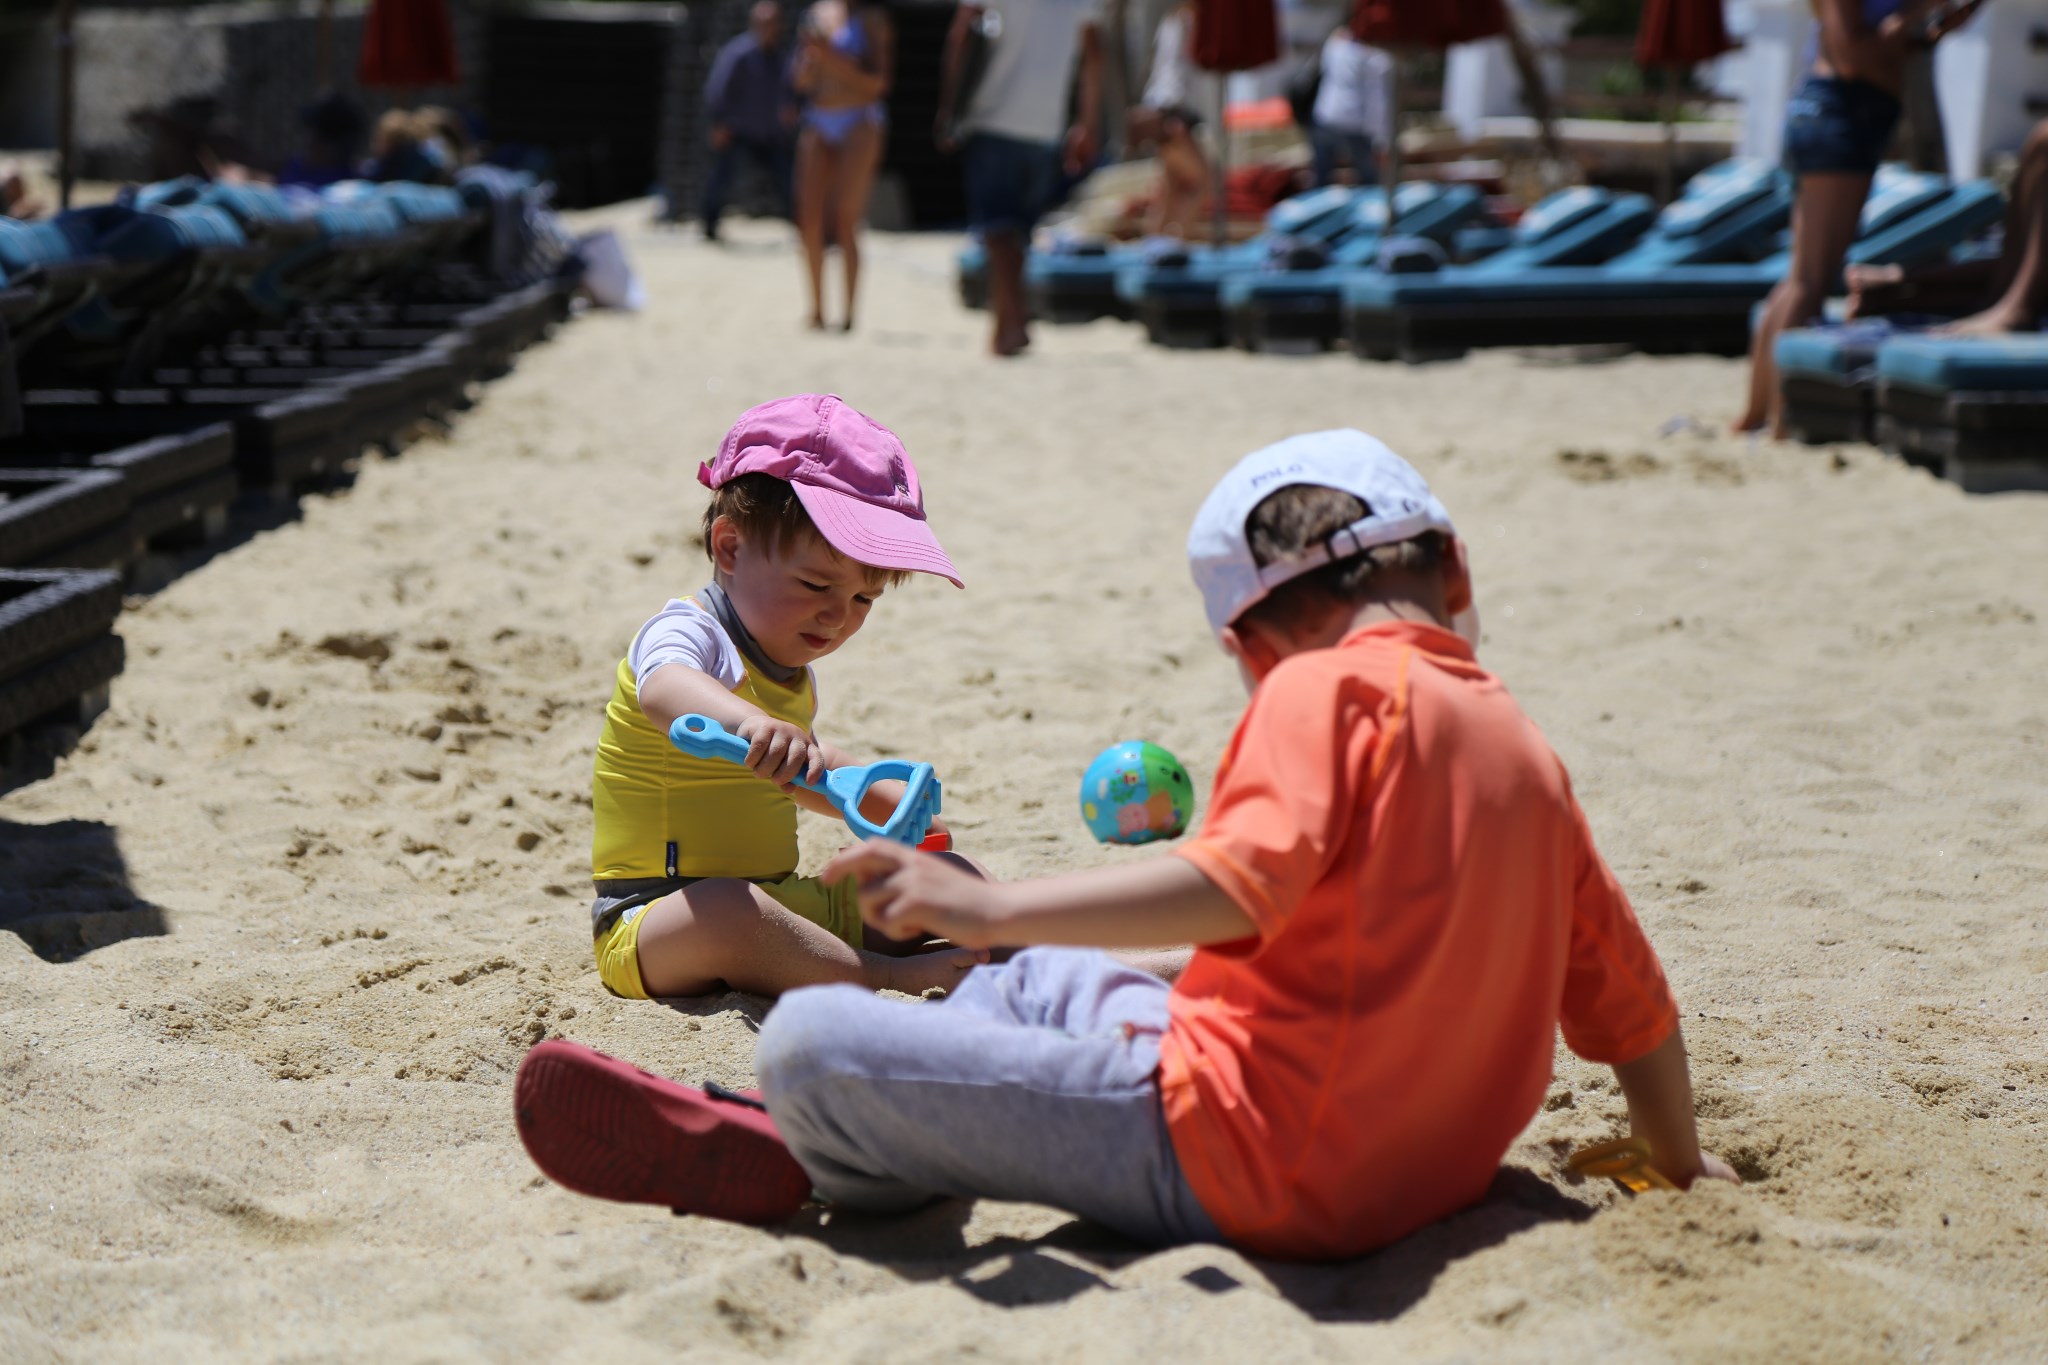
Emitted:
pixel 836 125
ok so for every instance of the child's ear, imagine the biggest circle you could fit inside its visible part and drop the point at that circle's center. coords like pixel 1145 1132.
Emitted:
pixel 1457 574
pixel 1250 647
pixel 725 545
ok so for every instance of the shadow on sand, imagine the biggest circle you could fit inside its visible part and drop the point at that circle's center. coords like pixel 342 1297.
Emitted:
pixel 1014 1272
pixel 64 889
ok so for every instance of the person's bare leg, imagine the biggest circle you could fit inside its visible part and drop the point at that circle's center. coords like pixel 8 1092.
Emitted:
pixel 1952 288
pixel 1183 179
pixel 727 932
pixel 859 158
pixel 1824 222
pixel 1006 292
pixel 813 201
pixel 2025 298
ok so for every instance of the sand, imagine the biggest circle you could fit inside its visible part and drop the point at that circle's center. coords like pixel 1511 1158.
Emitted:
pixel 329 852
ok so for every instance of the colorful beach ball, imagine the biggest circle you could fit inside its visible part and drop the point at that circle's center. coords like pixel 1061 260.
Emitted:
pixel 1136 792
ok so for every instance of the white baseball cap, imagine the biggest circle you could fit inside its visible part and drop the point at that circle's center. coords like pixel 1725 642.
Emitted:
pixel 1398 506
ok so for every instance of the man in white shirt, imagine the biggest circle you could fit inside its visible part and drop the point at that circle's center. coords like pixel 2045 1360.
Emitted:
pixel 1351 108
pixel 1015 134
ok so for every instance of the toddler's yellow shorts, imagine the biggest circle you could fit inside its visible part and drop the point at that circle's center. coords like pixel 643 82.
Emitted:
pixel 833 907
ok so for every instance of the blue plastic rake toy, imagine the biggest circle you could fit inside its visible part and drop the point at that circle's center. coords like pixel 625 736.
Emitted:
pixel 703 737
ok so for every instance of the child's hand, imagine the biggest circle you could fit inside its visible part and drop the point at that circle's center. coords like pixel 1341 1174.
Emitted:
pixel 906 894
pixel 781 752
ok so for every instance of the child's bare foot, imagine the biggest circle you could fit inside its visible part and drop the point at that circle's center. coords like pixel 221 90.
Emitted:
pixel 1748 422
pixel 920 972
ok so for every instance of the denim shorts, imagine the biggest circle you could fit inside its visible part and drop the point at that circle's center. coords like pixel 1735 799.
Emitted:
pixel 1838 126
pixel 1010 182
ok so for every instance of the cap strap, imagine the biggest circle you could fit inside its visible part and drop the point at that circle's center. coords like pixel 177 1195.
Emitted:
pixel 1382 532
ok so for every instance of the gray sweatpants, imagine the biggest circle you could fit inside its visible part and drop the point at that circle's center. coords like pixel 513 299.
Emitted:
pixel 1036 1080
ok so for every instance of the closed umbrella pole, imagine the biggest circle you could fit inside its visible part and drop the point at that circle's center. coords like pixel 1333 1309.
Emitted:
pixel 1399 26
pixel 323 47
pixel 1675 36
pixel 1232 35
pixel 1220 230
pixel 1392 156
pixel 67 101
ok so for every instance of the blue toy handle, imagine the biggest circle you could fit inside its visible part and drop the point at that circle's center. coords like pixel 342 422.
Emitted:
pixel 703 737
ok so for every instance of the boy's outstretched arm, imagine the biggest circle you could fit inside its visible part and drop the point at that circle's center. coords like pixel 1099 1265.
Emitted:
pixel 1158 903
pixel 1658 1087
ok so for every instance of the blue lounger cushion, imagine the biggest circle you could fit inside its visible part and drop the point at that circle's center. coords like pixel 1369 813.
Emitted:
pixel 1582 225
pixel 1826 352
pixel 126 234
pixel 1422 209
pixel 1907 218
pixel 1844 351
pixel 1930 228
pixel 424 204
pixel 251 206
pixel 30 246
pixel 1733 212
pixel 1087 263
pixel 2007 364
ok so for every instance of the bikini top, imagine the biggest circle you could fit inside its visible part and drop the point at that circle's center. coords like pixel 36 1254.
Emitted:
pixel 852 37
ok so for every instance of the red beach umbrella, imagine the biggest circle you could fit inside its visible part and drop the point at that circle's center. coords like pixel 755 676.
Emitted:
pixel 1434 24
pixel 1681 33
pixel 1235 35
pixel 407 44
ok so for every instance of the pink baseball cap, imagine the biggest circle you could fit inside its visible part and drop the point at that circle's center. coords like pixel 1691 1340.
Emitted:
pixel 849 471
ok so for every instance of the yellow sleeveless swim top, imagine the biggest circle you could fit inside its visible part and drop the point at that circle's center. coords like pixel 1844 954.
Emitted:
pixel 662 813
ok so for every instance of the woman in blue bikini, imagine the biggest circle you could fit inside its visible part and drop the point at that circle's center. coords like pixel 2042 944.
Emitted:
pixel 843 70
pixel 1837 126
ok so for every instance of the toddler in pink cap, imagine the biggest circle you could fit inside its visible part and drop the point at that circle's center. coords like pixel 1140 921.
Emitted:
pixel 815 510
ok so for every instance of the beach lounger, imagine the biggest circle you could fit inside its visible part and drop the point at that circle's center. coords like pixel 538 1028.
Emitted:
pixel 1302 310
pixel 1827 377
pixel 1675 292
pixel 58 651
pixel 1075 280
pixel 44 278
pixel 285 438
pixel 1975 409
pixel 179 485
pixel 1178 296
pixel 65 518
pixel 171 264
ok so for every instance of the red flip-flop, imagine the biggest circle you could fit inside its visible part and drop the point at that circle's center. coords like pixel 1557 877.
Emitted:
pixel 603 1128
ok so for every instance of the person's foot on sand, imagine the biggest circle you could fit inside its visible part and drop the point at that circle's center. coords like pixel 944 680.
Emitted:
pixel 1997 320
pixel 920 972
pixel 1748 423
pixel 816 322
pixel 1010 343
pixel 1873 289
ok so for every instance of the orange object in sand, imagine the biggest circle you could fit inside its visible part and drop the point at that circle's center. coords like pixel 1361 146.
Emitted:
pixel 1625 1161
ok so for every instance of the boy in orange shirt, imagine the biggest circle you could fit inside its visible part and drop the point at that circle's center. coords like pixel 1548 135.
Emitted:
pixel 1396 903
